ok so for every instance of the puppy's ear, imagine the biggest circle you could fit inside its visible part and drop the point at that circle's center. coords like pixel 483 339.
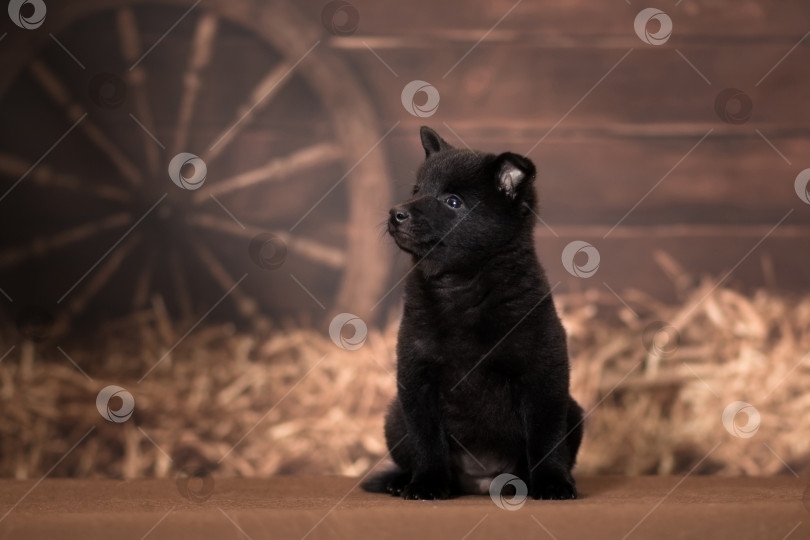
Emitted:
pixel 431 141
pixel 515 173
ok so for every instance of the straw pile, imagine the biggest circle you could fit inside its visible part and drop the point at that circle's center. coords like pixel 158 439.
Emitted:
pixel 288 400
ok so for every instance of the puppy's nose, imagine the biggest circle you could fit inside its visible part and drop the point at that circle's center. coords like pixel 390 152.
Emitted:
pixel 399 214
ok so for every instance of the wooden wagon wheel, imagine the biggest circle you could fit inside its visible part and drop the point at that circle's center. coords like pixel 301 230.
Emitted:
pixel 346 145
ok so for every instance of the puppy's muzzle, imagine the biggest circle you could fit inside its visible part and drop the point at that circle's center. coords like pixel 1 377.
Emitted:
pixel 399 215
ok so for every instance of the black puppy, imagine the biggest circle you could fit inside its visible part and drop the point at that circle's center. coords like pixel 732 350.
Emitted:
pixel 482 360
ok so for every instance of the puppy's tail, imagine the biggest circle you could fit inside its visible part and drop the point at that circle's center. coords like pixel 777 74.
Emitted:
pixel 384 481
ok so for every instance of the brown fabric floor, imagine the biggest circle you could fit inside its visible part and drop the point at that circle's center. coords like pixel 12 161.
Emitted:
pixel 331 507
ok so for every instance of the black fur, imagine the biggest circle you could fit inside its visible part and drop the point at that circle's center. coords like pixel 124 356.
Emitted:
pixel 482 360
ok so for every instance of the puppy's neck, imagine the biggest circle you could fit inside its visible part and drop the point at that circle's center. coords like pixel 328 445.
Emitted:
pixel 479 277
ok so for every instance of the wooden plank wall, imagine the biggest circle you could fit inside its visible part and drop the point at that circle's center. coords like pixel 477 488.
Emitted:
pixel 606 117
pixel 623 133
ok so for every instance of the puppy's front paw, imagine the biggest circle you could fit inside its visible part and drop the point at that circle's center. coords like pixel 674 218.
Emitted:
pixel 553 485
pixel 426 490
pixel 396 484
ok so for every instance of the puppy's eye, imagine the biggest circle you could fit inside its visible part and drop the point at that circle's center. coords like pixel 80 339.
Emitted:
pixel 453 202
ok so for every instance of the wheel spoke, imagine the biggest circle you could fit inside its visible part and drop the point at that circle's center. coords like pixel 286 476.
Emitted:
pixel 315 251
pixel 245 305
pixel 78 302
pixel 45 176
pixel 143 285
pixel 136 79
pixel 199 57
pixel 267 87
pixel 275 169
pixel 60 95
pixel 181 287
pixel 39 247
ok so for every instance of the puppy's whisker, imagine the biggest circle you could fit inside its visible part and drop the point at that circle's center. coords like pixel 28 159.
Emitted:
pixel 382 229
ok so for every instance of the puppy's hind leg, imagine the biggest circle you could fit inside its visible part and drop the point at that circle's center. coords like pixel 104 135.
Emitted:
pixel 394 480
pixel 391 481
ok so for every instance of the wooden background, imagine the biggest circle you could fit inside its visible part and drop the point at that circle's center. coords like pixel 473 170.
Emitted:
pixel 518 86
pixel 605 116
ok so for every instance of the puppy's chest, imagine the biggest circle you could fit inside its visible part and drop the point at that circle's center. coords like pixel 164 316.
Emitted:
pixel 468 390
pixel 457 344
pixel 480 409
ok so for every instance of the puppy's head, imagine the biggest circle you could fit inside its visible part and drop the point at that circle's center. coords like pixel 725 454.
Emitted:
pixel 465 206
